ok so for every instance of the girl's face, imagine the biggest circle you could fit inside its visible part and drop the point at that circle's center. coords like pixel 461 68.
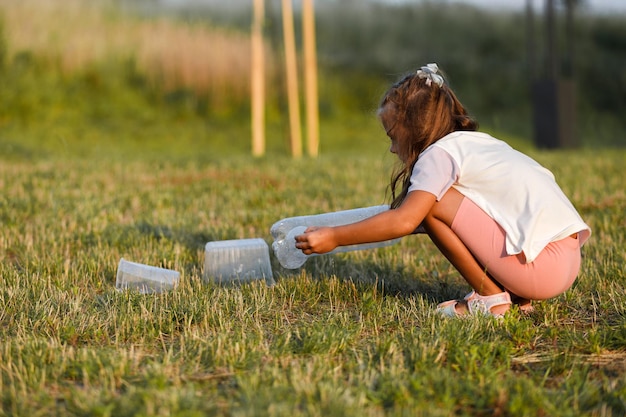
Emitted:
pixel 393 129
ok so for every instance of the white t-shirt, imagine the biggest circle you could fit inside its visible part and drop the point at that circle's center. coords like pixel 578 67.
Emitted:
pixel 513 189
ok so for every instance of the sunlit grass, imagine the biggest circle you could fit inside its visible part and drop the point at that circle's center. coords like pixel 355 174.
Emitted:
pixel 351 334
pixel 97 166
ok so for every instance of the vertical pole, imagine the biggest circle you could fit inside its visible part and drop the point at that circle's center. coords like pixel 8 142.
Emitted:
pixel 295 136
pixel 568 64
pixel 310 77
pixel 552 61
pixel 258 81
pixel 554 95
pixel 531 46
pixel 567 86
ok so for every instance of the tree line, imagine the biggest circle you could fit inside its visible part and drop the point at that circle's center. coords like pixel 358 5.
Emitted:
pixel 484 53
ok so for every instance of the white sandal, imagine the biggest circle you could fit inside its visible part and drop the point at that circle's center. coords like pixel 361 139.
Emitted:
pixel 524 304
pixel 476 304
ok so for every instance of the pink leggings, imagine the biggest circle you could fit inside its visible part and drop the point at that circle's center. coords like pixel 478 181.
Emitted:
pixel 549 275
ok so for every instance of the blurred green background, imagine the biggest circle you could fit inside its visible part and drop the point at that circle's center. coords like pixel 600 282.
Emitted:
pixel 118 77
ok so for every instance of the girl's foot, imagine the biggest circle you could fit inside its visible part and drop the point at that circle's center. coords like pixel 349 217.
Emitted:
pixel 474 303
pixel 524 304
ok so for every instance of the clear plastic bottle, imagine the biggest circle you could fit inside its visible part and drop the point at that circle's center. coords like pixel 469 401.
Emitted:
pixel 284 232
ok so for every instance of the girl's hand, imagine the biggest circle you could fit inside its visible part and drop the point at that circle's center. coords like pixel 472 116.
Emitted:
pixel 316 240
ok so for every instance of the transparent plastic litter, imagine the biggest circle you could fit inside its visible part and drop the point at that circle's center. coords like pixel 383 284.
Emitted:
pixel 284 232
pixel 237 261
pixel 145 279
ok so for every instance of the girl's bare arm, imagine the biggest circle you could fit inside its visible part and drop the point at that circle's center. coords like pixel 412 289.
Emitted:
pixel 388 225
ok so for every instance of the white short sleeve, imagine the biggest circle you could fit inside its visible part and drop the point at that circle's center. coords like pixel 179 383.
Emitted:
pixel 435 172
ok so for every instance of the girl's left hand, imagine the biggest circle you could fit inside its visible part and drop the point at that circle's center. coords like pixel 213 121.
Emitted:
pixel 316 240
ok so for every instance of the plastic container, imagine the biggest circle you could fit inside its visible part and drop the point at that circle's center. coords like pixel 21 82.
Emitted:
pixel 145 278
pixel 284 232
pixel 237 261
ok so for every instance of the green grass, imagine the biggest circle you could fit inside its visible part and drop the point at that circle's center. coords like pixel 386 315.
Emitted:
pixel 101 164
pixel 351 334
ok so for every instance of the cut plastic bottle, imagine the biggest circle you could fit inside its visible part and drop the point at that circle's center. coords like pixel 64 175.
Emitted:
pixel 237 261
pixel 284 232
pixel 145 279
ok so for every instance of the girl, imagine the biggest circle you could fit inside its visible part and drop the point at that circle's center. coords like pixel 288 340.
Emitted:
pixel 497 215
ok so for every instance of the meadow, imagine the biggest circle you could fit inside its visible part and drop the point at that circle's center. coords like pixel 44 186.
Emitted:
pixel 99 163
pixel 349 334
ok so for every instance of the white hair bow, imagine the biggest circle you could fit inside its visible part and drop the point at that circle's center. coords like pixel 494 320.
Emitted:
pixel 430 73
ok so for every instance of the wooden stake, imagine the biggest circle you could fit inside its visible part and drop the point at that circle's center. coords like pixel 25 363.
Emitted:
pixel 258 81
pixel 310 77
pixel 292 80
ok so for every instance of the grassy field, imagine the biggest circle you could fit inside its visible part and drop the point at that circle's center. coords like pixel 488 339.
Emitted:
pixel 107 152
pixel 351 334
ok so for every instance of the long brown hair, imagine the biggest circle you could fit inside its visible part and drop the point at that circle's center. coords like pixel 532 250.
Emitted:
pixel 424 113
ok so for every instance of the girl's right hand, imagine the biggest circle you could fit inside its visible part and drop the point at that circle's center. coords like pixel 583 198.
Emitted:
pixel 316 240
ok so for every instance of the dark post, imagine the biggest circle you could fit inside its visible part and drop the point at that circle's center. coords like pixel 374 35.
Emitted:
pixel 553 94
